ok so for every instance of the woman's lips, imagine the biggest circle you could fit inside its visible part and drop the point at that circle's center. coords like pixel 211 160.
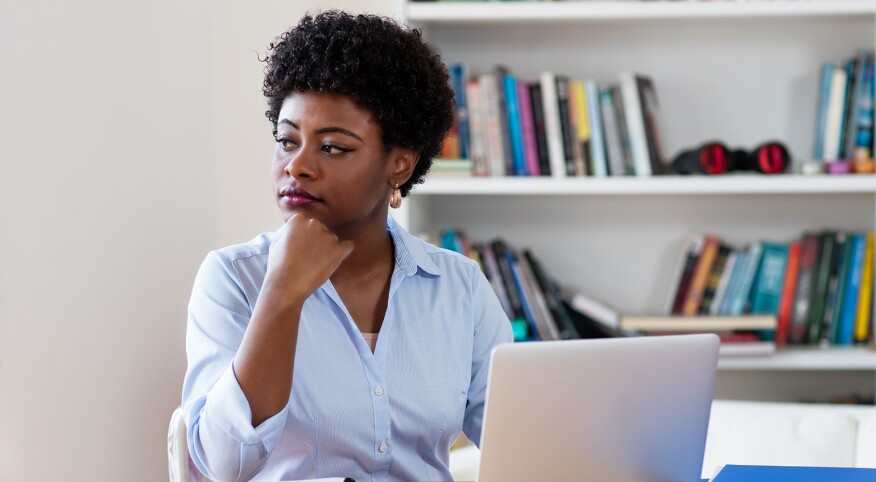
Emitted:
pixel 295 197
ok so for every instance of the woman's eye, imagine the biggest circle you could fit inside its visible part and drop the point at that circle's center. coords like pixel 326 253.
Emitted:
pixel 330 149
pixel 286 144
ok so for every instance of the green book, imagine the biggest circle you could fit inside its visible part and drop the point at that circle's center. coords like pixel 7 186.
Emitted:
pixel 836 287
pixel 819 289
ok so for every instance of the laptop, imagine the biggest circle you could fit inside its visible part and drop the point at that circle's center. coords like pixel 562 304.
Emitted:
pixel 620 410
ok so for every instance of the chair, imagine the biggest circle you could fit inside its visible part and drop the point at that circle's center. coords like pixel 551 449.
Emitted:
pixel 179 463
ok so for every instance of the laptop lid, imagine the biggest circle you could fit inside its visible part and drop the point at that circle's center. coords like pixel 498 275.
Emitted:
pixel 621 409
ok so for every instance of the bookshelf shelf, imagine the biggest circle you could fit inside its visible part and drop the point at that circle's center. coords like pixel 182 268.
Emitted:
pixel 807 359
pixel 578 11
pixel 662 185
pixel 738 72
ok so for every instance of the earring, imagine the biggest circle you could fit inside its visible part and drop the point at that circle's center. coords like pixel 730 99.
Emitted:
pixel 395 197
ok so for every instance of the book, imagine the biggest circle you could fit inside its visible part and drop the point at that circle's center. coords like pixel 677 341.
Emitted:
pixel 594 309
pixel 565 326
pixel 583 131
pixel 742 294
pixel 547 326
pixel 628 168
pixel 789 288
pixel 515 131
pixel 597 138
pixel 650 118
pixel 833 124
pixel 553 129
pixel 693 245
pixel 565 123
pixel 865 300
pixel 820 286
pixel 771 276
pixel 544 163
pixel 635 124
pixel 477 131
pixel 851 290
pixel 714 279
pixel 821 115
pixel 494 121
pixel 527 128
pixel 613 149
pixel 774 473
pixel 724 283
pixel 518 317
pixel 832 304
pixel 458 78
pixel 810 248
pixel 739 264
pixel 697 288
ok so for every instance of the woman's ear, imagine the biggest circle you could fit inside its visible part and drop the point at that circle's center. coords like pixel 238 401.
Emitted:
pixel 402 162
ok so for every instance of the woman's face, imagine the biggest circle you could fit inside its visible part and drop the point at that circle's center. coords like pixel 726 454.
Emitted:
pixel 330 163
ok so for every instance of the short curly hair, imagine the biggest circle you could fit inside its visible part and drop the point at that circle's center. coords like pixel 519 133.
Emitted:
pixel 383 66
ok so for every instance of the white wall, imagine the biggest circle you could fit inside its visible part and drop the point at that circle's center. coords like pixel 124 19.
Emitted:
pixel 132 140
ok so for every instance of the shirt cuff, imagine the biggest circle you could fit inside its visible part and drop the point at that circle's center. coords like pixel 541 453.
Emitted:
pixel 229 409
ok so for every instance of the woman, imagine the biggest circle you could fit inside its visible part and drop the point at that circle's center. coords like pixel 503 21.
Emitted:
pixel 341 345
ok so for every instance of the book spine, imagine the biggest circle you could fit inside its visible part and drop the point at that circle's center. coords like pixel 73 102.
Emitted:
pixel 819 292
pixel 809 249
pixel 724 283
pixel 515 132
pixel 530 151
pixel 865 299
pixel 525 301
pixel 553 130
pixel 626 149
pixel 846 110
pixel 507 151
pixel 635 124
pixel 566 123
pixel 518 315
pixel 495 132
pixel 823 101
pixel 566 328
pixel 835 286
pixel 864 135
pixel 650 113
pixel 494 276
pixel 597 139
pixel 582 129
pixel 476 128
pixel 538 119
pixel 543 316
pixel 714 278
pixel 834 115
pixel 786 303
pixel 851 290
pixel 614 153
pixel 701 274
pixel 458 79
pixel 742 296
pixel 770 279
pixel 692 248
pixel 733 284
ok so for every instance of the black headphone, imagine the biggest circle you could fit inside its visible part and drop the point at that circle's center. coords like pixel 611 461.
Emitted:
pixel 715 158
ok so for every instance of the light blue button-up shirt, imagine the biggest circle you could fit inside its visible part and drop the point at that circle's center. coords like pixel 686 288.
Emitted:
pixel 387 415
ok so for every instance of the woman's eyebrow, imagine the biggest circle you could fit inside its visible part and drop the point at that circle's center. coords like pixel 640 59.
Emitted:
pixel 324 130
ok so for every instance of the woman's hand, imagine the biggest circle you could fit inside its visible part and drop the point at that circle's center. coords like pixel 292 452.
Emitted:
pixel 302 257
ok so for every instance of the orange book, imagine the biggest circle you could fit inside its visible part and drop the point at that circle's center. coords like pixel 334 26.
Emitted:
pixel 786 302
pixel 701 275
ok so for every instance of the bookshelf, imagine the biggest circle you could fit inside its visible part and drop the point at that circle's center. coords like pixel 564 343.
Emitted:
pixel 739 72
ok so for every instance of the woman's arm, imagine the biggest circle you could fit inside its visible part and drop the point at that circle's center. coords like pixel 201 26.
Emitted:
pixel 240 366
pixel 491 328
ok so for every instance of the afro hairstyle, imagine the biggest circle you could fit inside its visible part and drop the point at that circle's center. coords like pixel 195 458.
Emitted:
pixel 384 67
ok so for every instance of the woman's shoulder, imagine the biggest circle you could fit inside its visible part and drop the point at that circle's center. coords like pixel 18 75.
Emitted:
pixel 256 247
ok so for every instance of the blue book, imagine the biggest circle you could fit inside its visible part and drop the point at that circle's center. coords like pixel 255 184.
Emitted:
pixel 594 118
pixel 514 126
pixel 770 279
pixel 746 280
pixel 516 275
pixel 458 78
pixel 851 290
pixel 773 473
pixel 733 287
pixel 821 116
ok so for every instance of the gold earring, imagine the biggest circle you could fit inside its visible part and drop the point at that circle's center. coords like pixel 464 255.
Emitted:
pixel 395 197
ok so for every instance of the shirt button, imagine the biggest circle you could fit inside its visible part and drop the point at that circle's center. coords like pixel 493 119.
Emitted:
pixel 384 447
pixel 378 391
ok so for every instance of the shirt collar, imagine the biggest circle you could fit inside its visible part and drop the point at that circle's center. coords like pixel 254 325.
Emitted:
pixel 409 252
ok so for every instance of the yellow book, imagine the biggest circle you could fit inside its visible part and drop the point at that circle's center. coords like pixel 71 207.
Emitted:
pixel 862 325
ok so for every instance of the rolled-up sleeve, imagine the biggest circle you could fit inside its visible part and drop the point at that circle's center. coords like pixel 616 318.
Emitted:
pixel 491 328
pixel 221 439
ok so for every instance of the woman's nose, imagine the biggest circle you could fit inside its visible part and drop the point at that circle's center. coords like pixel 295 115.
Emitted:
pixel 300 165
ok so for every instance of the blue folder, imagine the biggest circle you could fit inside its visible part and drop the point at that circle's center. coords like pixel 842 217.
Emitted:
pixel 769 473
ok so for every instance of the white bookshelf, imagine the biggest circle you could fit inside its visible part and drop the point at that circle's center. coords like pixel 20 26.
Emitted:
pixel 740 72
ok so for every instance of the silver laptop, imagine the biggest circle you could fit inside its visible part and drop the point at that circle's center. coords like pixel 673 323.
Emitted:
pixel 620 409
